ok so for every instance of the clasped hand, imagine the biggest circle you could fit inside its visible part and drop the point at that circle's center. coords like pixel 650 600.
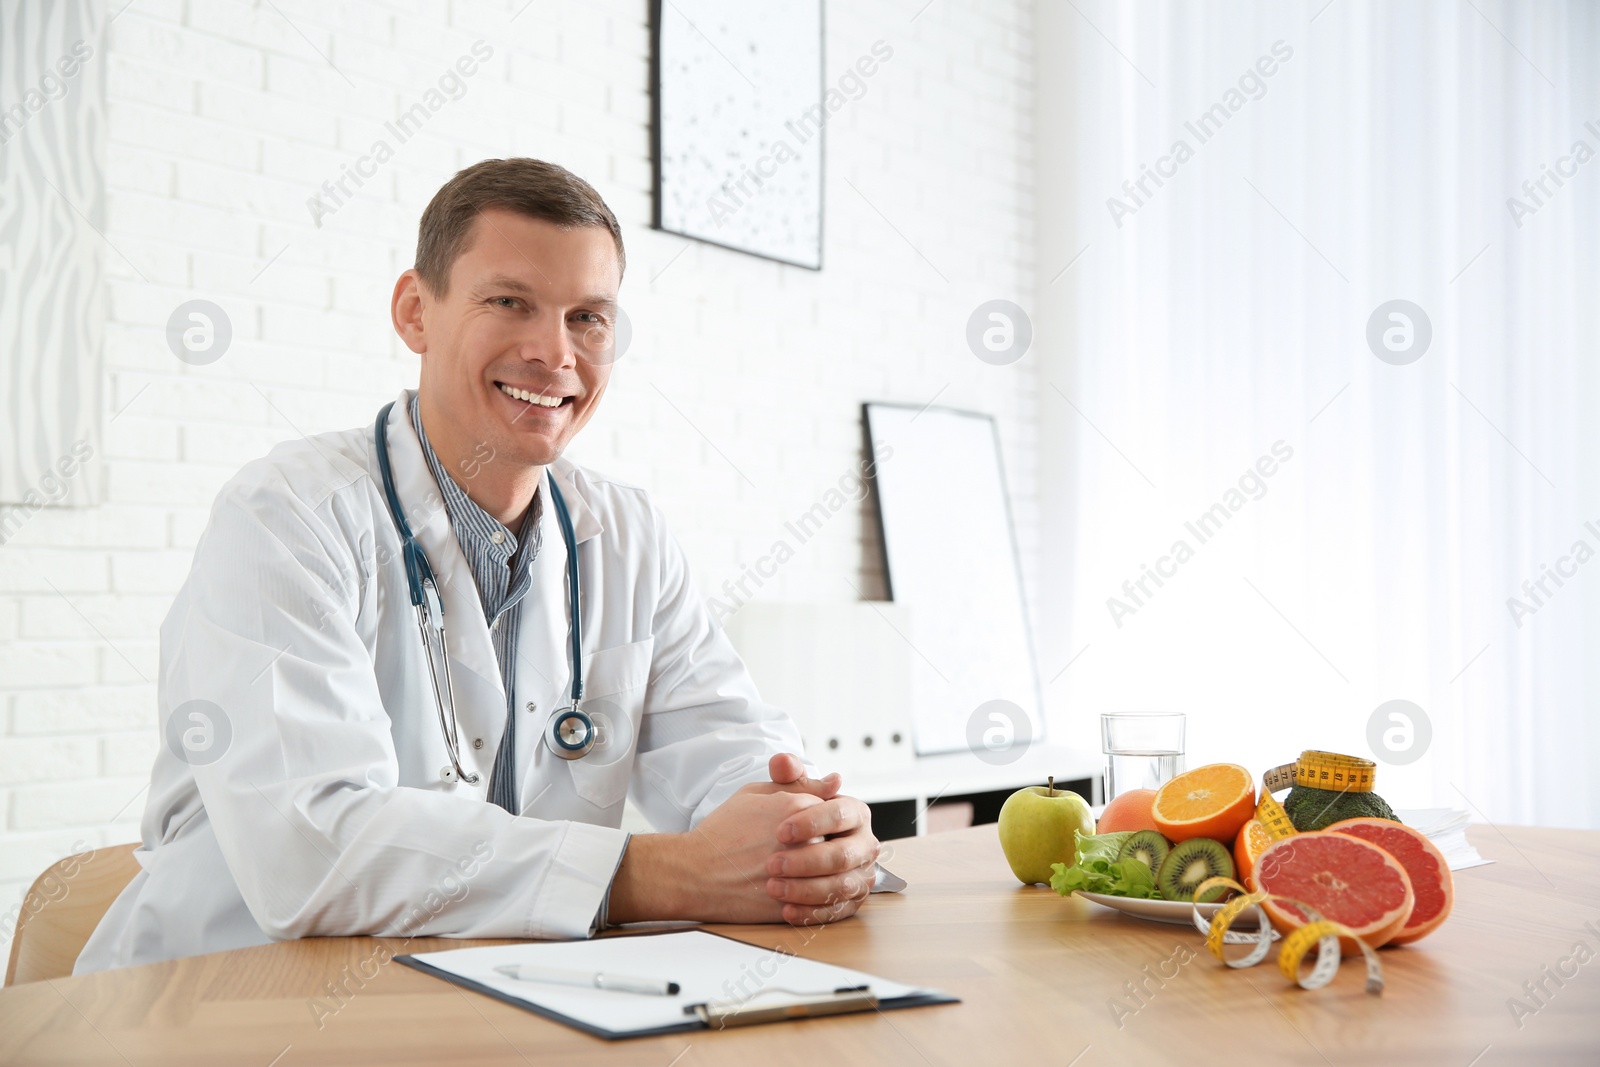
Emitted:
pixel 803 853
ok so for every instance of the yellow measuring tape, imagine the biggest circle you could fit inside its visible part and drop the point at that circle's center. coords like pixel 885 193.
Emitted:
pixel 1314 770
pixel 1319 932
pixel 1273 817
pixel 1323 770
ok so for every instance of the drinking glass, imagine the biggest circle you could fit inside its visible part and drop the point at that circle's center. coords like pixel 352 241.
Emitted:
pixel 1143 750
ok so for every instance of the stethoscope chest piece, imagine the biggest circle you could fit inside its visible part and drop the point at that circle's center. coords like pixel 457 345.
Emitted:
pixel 572 733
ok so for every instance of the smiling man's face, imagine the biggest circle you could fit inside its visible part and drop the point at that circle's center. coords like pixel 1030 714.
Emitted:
pixel 517 352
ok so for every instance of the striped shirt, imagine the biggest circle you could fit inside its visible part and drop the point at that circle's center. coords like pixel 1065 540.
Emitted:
pixel 502 568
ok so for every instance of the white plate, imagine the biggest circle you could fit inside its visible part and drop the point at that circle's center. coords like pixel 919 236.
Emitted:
pixel 1166 911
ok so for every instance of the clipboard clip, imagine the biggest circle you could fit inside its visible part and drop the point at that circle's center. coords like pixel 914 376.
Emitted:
pixel 777 1005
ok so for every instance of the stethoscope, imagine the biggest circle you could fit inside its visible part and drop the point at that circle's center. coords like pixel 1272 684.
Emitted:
pixel 570 733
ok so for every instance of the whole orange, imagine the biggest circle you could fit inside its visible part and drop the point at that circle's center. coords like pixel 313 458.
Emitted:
pixel 1130 811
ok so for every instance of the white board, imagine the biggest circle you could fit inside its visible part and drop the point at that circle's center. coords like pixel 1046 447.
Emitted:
pixel 951 557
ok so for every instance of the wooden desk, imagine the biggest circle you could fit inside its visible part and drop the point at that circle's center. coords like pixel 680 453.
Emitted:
pixel 1037 974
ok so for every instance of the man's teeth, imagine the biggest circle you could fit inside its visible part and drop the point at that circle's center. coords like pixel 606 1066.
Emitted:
pixel 532 398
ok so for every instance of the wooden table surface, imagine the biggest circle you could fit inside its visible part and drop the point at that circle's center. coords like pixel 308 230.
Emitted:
pixel 1038 976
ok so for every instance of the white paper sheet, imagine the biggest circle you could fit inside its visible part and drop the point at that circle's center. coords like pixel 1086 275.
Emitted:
pixel 1447 829
pixel 705 966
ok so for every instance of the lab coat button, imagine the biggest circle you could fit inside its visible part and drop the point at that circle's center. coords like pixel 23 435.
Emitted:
pixel 532 707
pixel 477 742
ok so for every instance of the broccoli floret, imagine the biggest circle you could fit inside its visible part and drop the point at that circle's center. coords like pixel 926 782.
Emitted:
pixel 1316 809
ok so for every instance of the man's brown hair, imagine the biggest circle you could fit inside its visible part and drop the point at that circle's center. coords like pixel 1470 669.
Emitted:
pixel 527 186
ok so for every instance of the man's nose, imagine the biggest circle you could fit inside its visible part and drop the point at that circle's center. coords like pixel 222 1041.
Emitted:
pixel 547 341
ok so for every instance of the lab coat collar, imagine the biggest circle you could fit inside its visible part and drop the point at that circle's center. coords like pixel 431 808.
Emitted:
pixel 585 523
pixel 413 482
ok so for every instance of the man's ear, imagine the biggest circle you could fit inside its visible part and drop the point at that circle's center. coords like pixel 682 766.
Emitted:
pixel 405 310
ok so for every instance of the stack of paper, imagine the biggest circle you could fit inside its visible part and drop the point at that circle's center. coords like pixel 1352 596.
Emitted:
pixel 1447 829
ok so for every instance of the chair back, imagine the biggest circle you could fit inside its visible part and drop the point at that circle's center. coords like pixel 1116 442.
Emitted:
pixel 62 908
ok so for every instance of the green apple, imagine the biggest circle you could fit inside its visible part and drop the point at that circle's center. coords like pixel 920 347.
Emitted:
pixel 1036 829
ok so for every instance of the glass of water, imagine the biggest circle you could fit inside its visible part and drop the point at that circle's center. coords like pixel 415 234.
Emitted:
pixel 1143 750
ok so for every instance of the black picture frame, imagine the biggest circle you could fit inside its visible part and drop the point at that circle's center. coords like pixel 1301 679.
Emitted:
pixel 657 221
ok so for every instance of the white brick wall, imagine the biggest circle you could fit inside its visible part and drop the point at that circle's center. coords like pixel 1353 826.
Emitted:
pixel 224 119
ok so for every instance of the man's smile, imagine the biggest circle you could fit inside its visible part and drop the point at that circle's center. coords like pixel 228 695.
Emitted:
pixel 542 399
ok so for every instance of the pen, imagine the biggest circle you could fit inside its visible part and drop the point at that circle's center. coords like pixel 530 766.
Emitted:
pixel 616 983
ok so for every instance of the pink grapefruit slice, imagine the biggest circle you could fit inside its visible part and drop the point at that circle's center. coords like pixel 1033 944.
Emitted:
pixel 1425 865
pixel 1347 879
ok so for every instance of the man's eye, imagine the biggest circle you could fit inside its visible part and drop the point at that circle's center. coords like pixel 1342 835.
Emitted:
pixel 592 316
pixel 504 301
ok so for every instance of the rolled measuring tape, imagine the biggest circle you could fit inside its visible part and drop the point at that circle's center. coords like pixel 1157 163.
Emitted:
pixel 1322 933
pixel 1313 770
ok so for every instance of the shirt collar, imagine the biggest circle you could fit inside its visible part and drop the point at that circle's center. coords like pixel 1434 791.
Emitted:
pixel 586 522
pixel 467 519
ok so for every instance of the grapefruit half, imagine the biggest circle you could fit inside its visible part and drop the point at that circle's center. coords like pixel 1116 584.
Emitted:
pixel 1425 865
pixel 1347 879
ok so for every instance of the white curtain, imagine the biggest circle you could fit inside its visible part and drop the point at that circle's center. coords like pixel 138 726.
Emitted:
pixel 1355 153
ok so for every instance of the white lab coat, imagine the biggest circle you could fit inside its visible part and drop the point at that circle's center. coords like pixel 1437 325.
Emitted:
pixel 325 812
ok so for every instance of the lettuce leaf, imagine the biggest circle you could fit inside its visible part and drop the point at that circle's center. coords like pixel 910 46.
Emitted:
pixel 1100 846
pixel 1098 871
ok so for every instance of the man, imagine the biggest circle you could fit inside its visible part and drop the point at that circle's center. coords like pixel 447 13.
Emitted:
pixel 307 785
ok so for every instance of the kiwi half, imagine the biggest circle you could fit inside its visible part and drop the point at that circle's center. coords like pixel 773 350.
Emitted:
pixel 1146 845
pixel 1190 863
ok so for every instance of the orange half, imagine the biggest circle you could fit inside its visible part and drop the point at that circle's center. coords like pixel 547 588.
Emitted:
pixel 1211 801
pixel 1252 841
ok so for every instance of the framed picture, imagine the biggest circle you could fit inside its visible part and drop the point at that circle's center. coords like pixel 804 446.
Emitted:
pixel 950 556
pixel 737 129
pixel 53 295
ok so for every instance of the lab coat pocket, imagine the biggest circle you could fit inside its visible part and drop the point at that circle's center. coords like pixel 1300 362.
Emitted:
pixel 614 681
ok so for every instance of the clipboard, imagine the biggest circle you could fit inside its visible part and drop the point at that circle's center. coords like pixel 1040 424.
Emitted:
pixel 775 1006
pixel 724 982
